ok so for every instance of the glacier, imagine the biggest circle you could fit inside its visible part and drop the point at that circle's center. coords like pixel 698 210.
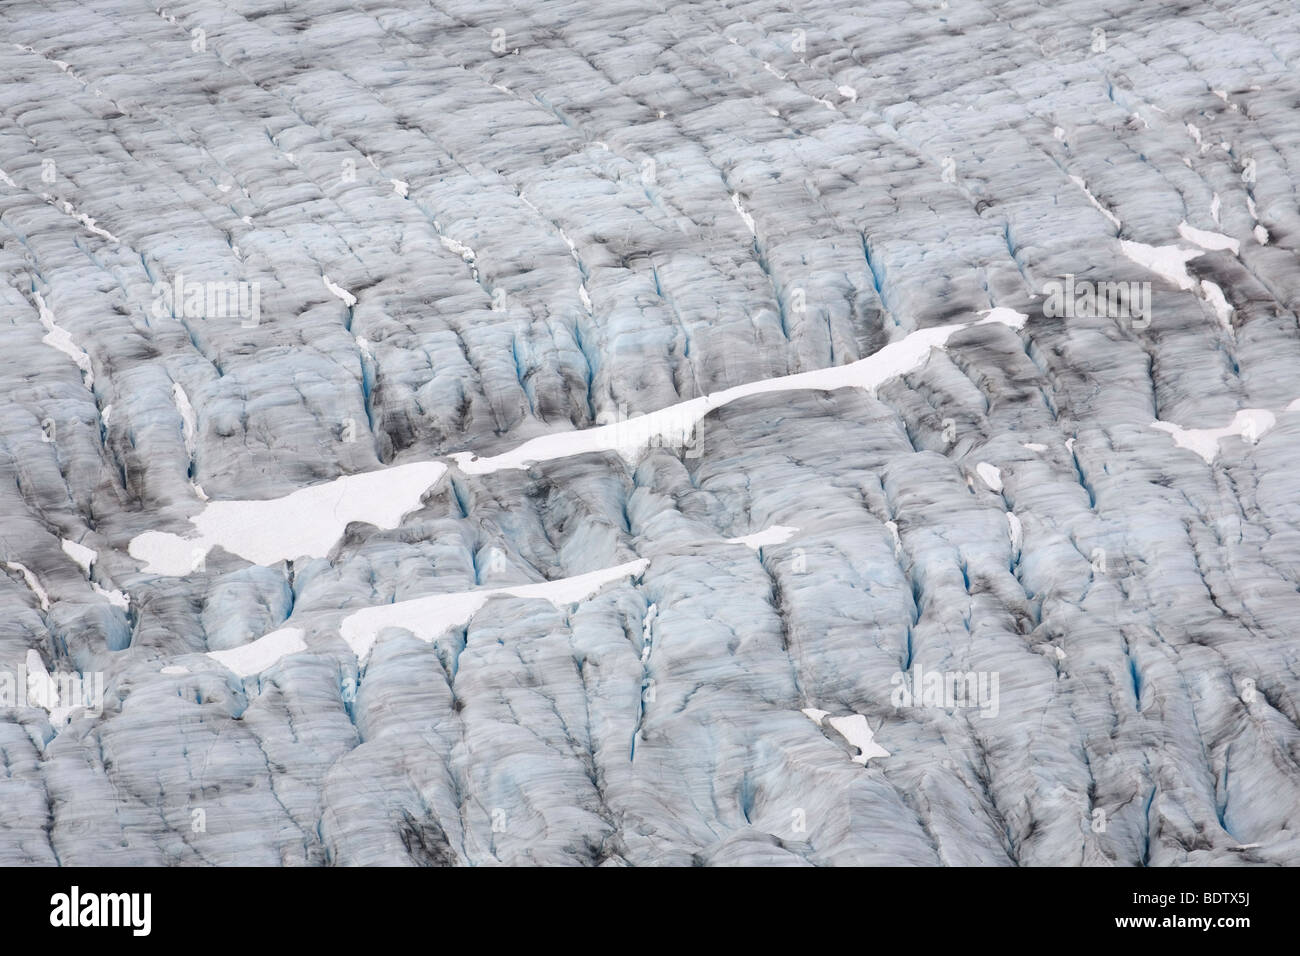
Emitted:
pixel 619 435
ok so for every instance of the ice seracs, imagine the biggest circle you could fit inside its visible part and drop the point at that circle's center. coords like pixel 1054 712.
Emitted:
pixel 505 739
pixel 678 420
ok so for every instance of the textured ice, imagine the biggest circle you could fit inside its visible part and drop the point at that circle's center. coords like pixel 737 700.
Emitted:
pixel 636 397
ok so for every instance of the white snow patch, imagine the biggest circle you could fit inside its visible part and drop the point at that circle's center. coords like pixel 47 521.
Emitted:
pixel 1214 295
pixel 1002 316
pixel 429 617
pixel 175 669
pixel 4 178
pixel 464 251
pixel 306 522
pixel 83 556
pixel 898 541
pixel 858 733
pixel 1168 262
pixel 1079 181
pixel 258 655
pixel 1261 234
pixel 849 93
pixel 573 248
pixel 61 339
pixel 348 298
pixel 1214 209
pixel 776 534
pixel 1034 446
pixel 675 422
pixel 115 598
pixel 42 691
pixel 1016 530
pixel 1213 241
pixel 647 632
pixel 1249 423
pixel 991 475
pixel 88 222
pixel 189 430
pixel 33 584
pixel 749 220
pixel 186 411
pixel 400 187
pixel 815 715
